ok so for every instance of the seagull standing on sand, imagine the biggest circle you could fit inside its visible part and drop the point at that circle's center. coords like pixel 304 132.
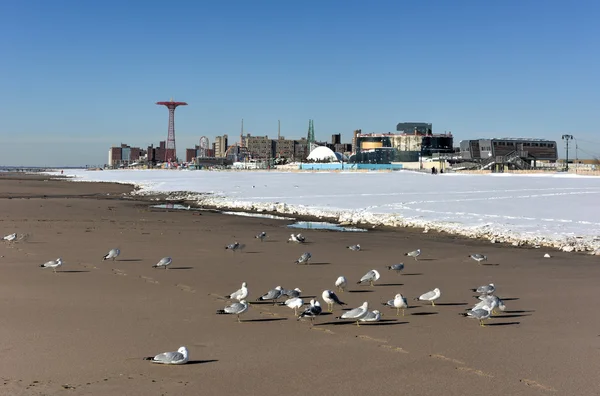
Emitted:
pixel 491 301
pixel 341 283
pixel 10 237
pixel 399 302
pixel 331 298
pixel 237 308
pixel 372 316
pixel 312 311
pixel 233 247
pixel 54 264
pixel 354 248
pixel 480 314
pixel 293 303
pixel 485 289
pixel 239 294
pixel 179 357
pixel 414 253
pixel 164 262
pixel 478 257
pixel 261 236
pixel 357 313
pixel 396 267
pixel 370 277
pixel 272 294
pixel 297 238
pixel 430 296
pixel 112 254
pixel 304 259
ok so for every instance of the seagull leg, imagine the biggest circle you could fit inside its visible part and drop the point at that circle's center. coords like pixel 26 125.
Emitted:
pixel 371 282
pixel 433 303
pixel 238 319
pixel 402 311
pixel 398 312
pixel 357 324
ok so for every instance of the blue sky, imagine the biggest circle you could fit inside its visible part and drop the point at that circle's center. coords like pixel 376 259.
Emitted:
pixel 79 76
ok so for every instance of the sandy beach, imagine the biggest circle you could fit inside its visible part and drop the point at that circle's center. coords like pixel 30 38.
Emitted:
pixel 86 329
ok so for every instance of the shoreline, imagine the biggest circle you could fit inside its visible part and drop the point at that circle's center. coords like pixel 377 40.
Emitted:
pixel 371 221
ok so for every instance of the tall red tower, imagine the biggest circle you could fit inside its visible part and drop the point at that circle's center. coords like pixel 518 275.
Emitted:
pixel 170 153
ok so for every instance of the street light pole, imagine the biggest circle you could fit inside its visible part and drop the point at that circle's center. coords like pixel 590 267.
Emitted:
pixel 567 138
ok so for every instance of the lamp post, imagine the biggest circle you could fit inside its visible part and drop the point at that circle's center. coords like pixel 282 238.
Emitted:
pixel 567 138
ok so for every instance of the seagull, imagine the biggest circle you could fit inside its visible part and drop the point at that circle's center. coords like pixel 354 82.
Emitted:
pixel 414 253
pixel 296 238
pixel 399 302
pixel 237 308
pixel 164 262
pixel 480 314
pixel 370 277
pixel 357 313
pixel 239 294
pixel 372 316
pixel 112 254
pixel 312 311
pixel 233 247
pixel 430 296
pixel 272 294
pixel 396 267
pixel 331 298
pixel 179 357
pixel 341 283
pixel 304 259
pixel 10 237
pixel 293 303
pixel 54 264
pixel 486 289
pixel 354 248
pixel 478 257
pixel 291 293
pixel 261 236
pixel 491 301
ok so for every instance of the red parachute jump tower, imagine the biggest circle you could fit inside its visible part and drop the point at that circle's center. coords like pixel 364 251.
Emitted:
pixel 170 153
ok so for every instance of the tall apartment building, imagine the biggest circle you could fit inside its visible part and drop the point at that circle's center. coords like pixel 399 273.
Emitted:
pixel 157 154
pixel 284 148
pixel 124 155
pixel 220 146
pixel 259 146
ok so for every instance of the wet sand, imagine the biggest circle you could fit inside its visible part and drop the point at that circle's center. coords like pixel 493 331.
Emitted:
pixel 85 330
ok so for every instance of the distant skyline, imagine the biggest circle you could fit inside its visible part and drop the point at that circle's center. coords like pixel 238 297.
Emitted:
pixel 78 77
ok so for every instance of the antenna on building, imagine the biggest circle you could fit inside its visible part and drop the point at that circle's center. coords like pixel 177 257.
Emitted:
pixel 278 129
pixel 242 134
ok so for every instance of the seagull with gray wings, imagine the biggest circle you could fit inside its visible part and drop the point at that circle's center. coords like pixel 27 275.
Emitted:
pixel 237 308
pixel 371 277
pixel 304 259
pixel 180 357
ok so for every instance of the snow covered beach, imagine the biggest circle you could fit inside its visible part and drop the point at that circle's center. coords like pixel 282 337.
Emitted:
pixel 556 210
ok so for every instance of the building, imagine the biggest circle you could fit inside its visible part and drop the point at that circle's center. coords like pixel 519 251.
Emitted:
pixel 421 128
pixel 403 147
pixel 259 147
pixel 156 155
pixel 220 146
pixel 526 149
pixel 336 139
pixel 284 148
pixel 124 155
pixel 355 136
pixel 197 152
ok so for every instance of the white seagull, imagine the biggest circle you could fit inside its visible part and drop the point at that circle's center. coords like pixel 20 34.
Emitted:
pixel 354 248
pixel 357 313
pixel 179 357
pixel 304 259
pixel 414 253
pixel 331 298
pixel 296 238
pixel 112 254
pixel 272 294
pixel 237 308
pixel 396 267
pixel 372 316
pixel 54 264
pixel 261 236
pixel 10 237
pixel 370 277
pixel 478 257
pixel 239 294
pixel 233 247
pixel 293 303
pixel 164 262
pixel 430 296
pixel 399 302
pixel 480 314
pixel 341 283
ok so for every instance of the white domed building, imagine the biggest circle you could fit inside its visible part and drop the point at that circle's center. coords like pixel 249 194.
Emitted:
pixel 324 154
